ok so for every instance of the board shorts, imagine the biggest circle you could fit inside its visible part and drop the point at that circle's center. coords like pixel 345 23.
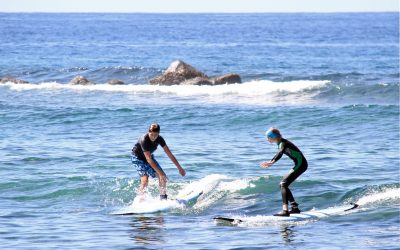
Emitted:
pixel 143 168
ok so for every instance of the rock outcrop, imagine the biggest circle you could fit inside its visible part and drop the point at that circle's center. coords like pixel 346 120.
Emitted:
pixel 226 79
pixel 197 81
pixel 177 73
pixel 182 73
pixel 81 80
pixel 13 80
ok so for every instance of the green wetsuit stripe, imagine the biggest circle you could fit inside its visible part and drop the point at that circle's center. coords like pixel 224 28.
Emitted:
pixel 298 157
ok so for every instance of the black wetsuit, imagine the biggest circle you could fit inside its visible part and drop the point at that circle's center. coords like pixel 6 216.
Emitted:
pixel 289 149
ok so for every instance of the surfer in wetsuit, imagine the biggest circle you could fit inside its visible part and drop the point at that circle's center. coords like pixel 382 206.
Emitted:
pixel 146 164
pixel 289 149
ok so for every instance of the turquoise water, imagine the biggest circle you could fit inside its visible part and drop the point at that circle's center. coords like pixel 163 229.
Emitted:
pixel 65 150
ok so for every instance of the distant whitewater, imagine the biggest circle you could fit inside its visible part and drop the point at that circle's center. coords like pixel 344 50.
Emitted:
pixel 257 92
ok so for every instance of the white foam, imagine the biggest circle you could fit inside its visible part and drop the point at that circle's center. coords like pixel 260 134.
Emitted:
pixel 263 89
pixel 214 187
pixel 149 204
pixel 380 196
pixel 252 88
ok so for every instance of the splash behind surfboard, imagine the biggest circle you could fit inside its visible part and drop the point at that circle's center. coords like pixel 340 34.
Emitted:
pixel 150 206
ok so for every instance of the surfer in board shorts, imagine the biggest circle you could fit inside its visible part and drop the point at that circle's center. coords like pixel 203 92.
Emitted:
pixel 145 163
pixel 288 148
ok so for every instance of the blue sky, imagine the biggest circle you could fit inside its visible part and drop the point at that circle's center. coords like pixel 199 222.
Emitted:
pixel 198 5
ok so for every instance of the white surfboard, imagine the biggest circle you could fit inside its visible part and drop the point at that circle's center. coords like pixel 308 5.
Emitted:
pixel 309 215
pixel 150 206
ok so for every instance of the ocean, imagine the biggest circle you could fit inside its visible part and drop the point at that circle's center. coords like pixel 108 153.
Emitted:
pixel 329 82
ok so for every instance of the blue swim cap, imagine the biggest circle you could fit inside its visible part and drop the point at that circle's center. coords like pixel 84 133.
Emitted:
pixel 271 134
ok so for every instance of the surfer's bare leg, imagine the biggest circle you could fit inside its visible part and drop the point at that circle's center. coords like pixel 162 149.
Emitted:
pixel 162 184
pixel 144 181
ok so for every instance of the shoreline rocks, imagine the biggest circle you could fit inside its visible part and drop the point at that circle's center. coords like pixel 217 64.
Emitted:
pixel 81 80
pixel 181 73
pixel 178 73
pixel 197 81
pixel 227 79
pixel 115 82
pixel 13 80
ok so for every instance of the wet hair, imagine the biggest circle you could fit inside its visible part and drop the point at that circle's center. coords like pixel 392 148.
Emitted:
pixel 276 132
pixel 154 127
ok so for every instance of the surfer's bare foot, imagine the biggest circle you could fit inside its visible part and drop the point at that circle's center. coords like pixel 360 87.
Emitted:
pixel 283 213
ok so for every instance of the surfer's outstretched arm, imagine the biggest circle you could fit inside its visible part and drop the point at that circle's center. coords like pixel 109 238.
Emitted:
pixel 276 158
pixel 274 137
pixel 174 160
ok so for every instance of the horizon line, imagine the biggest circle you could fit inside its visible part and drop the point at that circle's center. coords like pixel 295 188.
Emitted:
pixel 189 12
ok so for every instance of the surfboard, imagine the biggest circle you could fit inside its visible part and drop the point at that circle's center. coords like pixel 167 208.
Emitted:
pixel 156 206
pixel 309 215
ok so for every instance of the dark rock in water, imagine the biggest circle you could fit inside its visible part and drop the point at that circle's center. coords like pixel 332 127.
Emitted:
pixel 180 72
pixel 13 80
pixel 115 82
pixel 226 79
pixel 197 81
pixel 167 79
pixel 183 69
pixel 177 73
pixel 81 80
